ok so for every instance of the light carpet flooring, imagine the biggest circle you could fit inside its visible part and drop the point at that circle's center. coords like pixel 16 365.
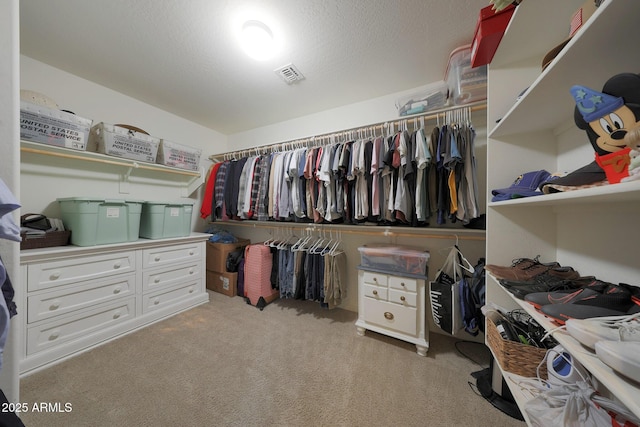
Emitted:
pixel 227 363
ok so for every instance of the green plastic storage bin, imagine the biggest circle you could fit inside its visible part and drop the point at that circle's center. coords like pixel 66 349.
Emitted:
pixel 95 221
pixel 165 219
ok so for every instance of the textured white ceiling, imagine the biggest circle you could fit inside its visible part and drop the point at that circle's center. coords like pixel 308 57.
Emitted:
pixel 183 57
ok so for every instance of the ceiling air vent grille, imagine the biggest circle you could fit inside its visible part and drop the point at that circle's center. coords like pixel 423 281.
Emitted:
pixel 289 73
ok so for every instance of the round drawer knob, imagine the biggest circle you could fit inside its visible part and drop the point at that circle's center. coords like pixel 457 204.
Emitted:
pixel 375 292
pixel 156 302
pixel 402 298
pixel 157 258
pixel 55 275
pixel 191 271
pixel 54 336
pixel 116 290
pixel 116 314
pixel 156 280
pixel 375 279
pixel 402 284
pixel 191 252
pixel 116 265
pixel 191 290
pixel 388 316
pixel 54 305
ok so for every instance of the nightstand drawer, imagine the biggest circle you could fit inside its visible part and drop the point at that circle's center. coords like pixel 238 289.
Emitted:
pixel 376 292
pixel 403 283
pixel 391 316
pixel 172 254
pixel 65 300
pixel 374 278
pixel 408 299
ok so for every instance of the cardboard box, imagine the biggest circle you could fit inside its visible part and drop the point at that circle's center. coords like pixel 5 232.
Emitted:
pixel 121 142
pixel 178 156
pixel 224 283
pixel 490 27
pixel 217 253
pixel 53 127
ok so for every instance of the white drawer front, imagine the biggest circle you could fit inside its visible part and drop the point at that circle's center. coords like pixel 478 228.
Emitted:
pixel 156 257
pixel 159 278
pixel 375 292
pixel 408 299
pixel 391 316
pixel 168 297
pixel 60 331
pixel 403 283
pixel 374 278
pixel 57 273
pixel 46 305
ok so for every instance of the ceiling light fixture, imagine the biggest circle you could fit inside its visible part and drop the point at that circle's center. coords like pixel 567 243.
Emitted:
pixel 257 40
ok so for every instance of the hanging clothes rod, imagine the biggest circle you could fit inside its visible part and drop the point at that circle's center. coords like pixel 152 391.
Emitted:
pixel 448 114
pixel 458 234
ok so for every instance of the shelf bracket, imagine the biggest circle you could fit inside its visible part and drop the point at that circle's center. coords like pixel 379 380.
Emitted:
pixel 125 184
pixel 193 184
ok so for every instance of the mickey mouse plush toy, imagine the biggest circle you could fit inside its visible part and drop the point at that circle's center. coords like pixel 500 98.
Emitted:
pixel 607 117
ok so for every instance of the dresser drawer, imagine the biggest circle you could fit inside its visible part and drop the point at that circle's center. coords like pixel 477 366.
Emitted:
pixel 408 299
pixel 172 275
pixel 156 257
pixel 50 274
pixel 374 278
pixel 376 292
pixel 168 297
pixel 403 283
pixel 54 333
pixel 391 316
pixel 65 300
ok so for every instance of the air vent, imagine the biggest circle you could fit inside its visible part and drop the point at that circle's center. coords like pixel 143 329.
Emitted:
pixel 289 73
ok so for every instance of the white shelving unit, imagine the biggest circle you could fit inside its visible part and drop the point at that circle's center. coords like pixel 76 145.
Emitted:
pixel 593 230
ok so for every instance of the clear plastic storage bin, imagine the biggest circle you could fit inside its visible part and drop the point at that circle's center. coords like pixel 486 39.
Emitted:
pixel 164 219
pixel 95 221
pixel 394 259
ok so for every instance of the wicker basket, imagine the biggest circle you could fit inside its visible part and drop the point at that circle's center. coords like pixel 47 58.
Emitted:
pixel 515 357
pixel 47 240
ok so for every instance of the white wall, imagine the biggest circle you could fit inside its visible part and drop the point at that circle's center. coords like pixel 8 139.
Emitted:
pixel 45 178
pixel 9 173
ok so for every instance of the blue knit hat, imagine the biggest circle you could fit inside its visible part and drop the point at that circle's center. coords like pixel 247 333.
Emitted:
pixel 593 104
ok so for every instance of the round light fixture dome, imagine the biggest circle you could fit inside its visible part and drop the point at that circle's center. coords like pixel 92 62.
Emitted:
pixel 257 40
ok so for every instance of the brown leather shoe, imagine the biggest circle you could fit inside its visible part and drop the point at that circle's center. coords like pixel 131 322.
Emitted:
pixel 521 269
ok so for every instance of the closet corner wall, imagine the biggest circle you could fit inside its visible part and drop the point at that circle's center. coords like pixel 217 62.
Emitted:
pixel 436 239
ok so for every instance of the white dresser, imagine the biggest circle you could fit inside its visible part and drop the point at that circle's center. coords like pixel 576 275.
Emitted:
pixel 393 304
pixel 74 298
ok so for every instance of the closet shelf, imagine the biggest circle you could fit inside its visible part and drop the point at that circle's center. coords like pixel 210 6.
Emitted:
pixel 88 156
pixel 387 231
pixel 626 192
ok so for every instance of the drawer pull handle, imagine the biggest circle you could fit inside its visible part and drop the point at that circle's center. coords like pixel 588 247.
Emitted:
pixel 402 298
pixel 191 252
pixel 375 279
pixel 191 290
pixel 191 271
pixel 54 306
pixel 54 336
pixel 116 314
pixel 156 280
pixel 55 275
pixel 157 258
pixel 116 265
pixel 388 316
pixel 156 302
pixel 375 292
pixel 116 290
pixel 402 284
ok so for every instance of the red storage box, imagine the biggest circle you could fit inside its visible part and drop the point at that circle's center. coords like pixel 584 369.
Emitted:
pixel 489 30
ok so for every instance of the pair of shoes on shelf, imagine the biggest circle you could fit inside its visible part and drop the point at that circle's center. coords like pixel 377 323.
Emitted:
pixel 615 339
pixel 521 269
pixel 595 299
pixel 554 279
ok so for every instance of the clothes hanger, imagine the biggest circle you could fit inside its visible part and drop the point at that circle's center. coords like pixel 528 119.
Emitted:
pixel 465 265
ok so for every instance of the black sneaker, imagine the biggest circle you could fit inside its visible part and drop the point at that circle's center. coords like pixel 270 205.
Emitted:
pixel 588 288
pixel 545 283
pixel 560 313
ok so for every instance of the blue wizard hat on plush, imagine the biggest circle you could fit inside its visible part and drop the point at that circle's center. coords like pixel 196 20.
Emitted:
pixel 593 104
